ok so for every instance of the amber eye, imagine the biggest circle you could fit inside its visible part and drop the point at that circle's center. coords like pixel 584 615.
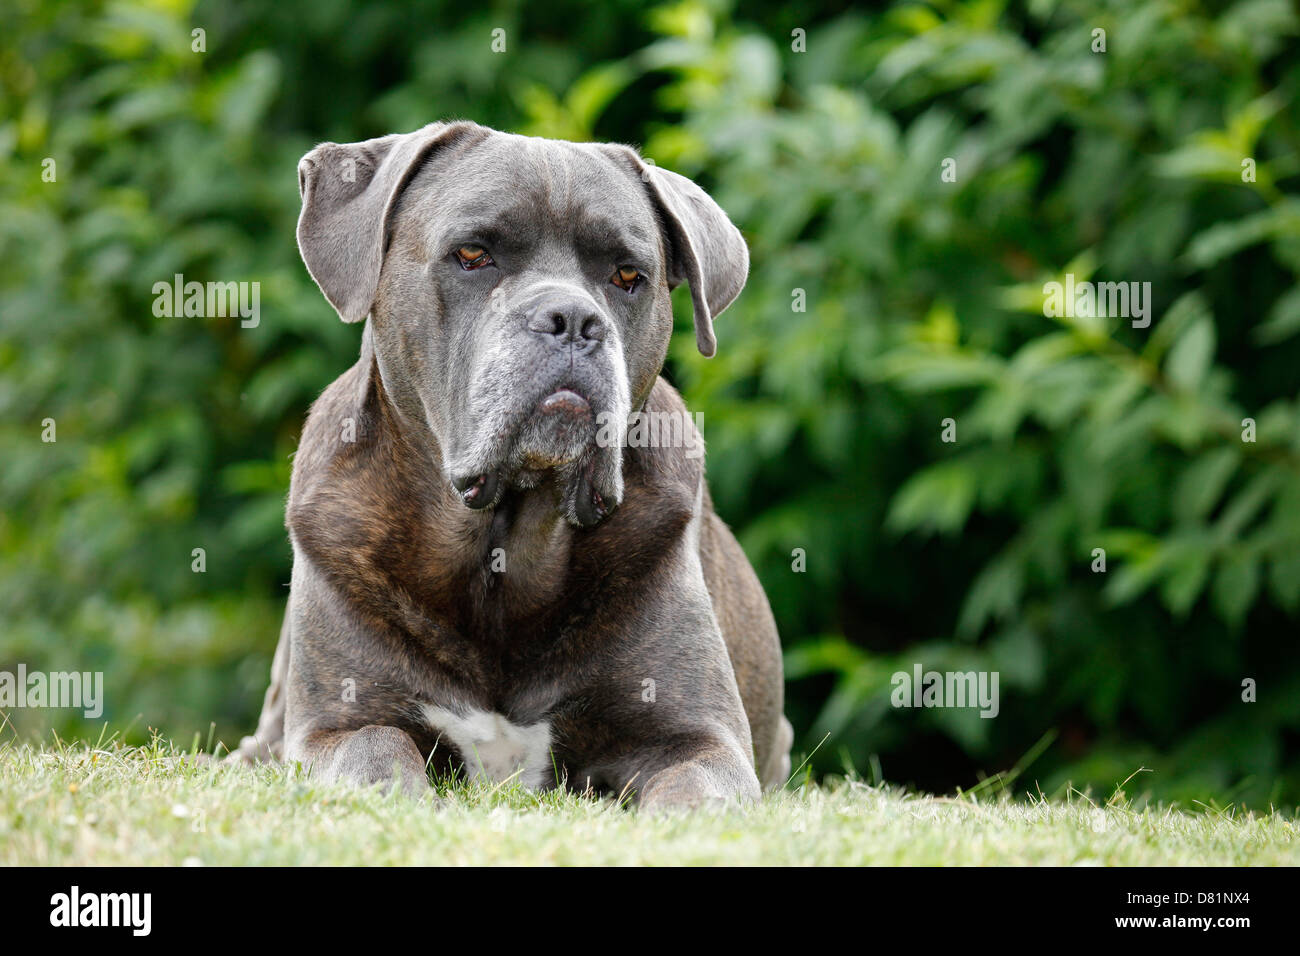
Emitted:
pixel 473 257
pixel 626 278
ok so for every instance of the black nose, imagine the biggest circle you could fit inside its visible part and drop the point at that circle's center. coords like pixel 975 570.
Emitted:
pixel 567 321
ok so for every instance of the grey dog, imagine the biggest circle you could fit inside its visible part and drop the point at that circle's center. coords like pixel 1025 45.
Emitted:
pixel 490 577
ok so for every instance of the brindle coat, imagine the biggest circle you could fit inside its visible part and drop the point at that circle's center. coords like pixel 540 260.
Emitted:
pixel 595 609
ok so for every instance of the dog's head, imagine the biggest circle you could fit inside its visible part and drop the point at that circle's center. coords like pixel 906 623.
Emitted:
pixel 518 292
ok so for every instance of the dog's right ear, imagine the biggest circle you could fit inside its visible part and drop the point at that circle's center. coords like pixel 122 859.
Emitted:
pixel 348 192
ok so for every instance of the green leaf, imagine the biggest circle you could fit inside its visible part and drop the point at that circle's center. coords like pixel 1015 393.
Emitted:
pixel 1225 239
pixel 930 369
pixel 1129 582
pixel 592 92
pixel 1200 485
pixel 1190 357
pixel 1283 319
pixel 937 499
pixel 1247 504
pixel 1187 309
pixel 1236 584
pixel 1284 577
pixel 1186 579
pixel 995 593
pixel 828 653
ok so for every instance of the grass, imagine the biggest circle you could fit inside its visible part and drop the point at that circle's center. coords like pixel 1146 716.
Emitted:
pixel 79 805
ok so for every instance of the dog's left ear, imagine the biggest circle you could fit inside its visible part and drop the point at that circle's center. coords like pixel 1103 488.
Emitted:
pixel 705 249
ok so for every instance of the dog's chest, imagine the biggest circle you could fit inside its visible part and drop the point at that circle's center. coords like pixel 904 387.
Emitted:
pixel 491 747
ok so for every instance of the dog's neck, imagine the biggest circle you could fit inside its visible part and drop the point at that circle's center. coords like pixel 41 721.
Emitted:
pixel 518 551
pixel 377 516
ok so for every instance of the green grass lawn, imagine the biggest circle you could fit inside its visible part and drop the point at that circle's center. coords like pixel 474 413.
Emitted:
pixel 77 805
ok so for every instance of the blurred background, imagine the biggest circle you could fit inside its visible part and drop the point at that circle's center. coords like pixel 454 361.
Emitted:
pixel 824 133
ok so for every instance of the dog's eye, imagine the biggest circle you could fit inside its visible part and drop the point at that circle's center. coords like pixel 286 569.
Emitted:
pixel 473 257
pixel 626 278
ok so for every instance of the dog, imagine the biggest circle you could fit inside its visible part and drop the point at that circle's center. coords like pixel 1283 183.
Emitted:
pixel 489 576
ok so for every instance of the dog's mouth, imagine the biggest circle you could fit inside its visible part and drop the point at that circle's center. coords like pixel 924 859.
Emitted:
pixel 584 500
pixel 478 491
pixel 559 440
pixel 558 432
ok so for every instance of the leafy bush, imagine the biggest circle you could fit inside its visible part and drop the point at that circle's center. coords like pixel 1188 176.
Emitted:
pixel 922 300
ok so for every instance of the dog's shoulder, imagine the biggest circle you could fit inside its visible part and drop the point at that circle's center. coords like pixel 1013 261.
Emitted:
pixel 353 482
pixel 341 428
pixel 665 445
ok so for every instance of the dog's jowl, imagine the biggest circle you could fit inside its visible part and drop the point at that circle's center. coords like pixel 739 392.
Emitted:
pixel 480 583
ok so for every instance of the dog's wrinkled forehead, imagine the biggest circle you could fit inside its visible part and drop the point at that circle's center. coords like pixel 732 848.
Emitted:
pixel 512 193
pixel 604 194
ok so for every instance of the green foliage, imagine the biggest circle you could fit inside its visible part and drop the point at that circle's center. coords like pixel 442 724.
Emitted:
pixel 924 302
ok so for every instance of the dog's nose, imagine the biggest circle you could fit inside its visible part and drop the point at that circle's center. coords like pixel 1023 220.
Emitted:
pixel 567 320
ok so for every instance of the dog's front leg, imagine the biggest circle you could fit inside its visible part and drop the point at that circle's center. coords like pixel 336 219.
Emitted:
pixel 343 705
pixel 671 705
pixel 365 756
pixel 697 772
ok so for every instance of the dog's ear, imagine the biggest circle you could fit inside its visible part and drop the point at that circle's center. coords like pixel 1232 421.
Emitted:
pixel 348 192
pixel 705 249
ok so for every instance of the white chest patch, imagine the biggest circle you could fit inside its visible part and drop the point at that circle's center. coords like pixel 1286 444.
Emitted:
pixel 493 748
